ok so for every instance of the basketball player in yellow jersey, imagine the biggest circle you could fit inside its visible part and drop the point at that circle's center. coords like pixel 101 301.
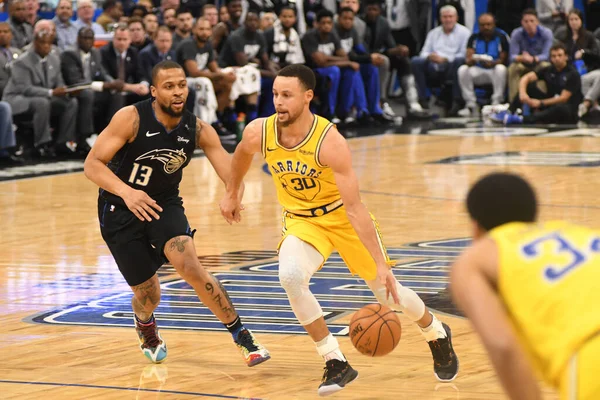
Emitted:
pixel 316 185
pixel 532 292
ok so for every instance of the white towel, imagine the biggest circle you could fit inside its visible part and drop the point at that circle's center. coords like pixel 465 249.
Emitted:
pixel 205 103
pixel 292 48
pixel 247 80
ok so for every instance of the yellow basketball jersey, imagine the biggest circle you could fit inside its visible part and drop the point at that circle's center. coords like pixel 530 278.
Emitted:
pixel 302 182
pixel 549 279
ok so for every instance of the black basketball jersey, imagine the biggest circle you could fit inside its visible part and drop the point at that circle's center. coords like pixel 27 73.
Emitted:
pixel 154 161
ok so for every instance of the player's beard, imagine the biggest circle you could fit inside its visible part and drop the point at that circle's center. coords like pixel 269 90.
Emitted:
pixel 290 120
pixel 168 110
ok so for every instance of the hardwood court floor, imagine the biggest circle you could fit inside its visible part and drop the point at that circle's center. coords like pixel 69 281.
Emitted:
pixel 53 258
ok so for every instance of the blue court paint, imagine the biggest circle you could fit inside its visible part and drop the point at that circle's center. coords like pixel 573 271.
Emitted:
pixel 198 394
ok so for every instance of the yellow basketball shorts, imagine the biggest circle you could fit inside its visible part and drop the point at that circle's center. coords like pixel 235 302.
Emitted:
pixel 579 380
pixel 331 232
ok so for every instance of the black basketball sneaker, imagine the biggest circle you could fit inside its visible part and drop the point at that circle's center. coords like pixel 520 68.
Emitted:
pixel 337 375
pixel 445 362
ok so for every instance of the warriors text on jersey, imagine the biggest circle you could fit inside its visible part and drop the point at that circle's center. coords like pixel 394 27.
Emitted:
pixel 302 182
pixel 548 278
pixel 154 161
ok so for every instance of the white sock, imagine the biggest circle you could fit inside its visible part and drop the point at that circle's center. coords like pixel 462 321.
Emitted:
pixel 434 331
pixel 329 349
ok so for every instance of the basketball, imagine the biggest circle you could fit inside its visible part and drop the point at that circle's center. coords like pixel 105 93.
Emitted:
pixel 375 330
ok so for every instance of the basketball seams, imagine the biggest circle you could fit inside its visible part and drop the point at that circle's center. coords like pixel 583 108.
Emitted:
pixel 375 312
pixel 385 321
pixel 379 335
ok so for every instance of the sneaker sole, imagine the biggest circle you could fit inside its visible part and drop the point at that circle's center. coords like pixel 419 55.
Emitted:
pixel 457 362
pixel 331 389
pixel 259 360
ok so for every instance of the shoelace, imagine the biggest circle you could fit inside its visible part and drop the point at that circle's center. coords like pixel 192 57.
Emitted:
pixel 149 334
pixel 441 351
pixel 245 339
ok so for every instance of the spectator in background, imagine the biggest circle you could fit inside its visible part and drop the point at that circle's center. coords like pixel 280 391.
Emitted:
pixel 147 4
pixel 160 50
pixel 185 22
pixel 552 13
pixel 224 29
pixel 151 25
pixel 487 53
pixel 8 141
pixel 195 6
pixel 31 11
pixel 224 15
pixel 139 11
pixel 283 48
pixel 324 53
pixel 267 20
pixel 210 83
pixel 441 56
pixel 167 5
pixel 22 33
pixel 366 93
pixel 112 11
pixel 380 40
pixel 48 25
pixel 121 61
pixel 408 20
pixel 460 10
pixel 84 65
pixel 210 12
pixel 169 19
pixel 243 47
pixel 529 49
pixel 7 55
pixel 66 30
pixel 558 105
pixel 359 25
pixel 139 39
pixel 509 12
pixel 582 45
pixel 85 17
pixel 36 87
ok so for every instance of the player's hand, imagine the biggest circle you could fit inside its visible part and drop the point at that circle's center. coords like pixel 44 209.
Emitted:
pixel 386 278
pixel 142 205
pixel 231 208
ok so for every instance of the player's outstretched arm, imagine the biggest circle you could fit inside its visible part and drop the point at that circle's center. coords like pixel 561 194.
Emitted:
pixel 208 140
pixel 240 164
pixel 336 154
pixel 474 292
pixel 122 129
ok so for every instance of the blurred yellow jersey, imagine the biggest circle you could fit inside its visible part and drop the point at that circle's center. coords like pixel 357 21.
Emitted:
pixel 549 280
pixel 302 182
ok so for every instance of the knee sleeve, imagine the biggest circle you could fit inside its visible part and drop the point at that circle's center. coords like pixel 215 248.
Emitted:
pixel 410 302
pixel 298 261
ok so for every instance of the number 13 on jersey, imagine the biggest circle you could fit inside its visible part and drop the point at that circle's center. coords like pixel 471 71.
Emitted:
pixel 140 174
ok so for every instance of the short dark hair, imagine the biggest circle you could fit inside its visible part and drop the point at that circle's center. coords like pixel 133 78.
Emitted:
pixel 304 74
pixel 324 13
pixel 346 9
pixel 558 46
pixel 182 10
pixel 529 11
pixel 500 198
pixel 141 8
pixel 207 6
pixel 136 20
pixel 163 65
pixel 288 8
pixel 373 3
pixel 108 4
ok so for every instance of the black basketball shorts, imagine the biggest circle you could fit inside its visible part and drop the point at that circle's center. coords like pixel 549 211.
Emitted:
pixel 138 246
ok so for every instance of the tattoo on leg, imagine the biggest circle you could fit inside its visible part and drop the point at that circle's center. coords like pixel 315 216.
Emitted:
pixel 178 244
pixel 145 299
pixel 222 299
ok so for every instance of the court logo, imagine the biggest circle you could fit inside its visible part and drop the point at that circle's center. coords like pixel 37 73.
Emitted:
pixel 254 288
pixel 539 158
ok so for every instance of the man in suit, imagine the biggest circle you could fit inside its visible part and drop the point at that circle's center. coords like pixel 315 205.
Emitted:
pixel 65 28
pixel 160 50
pixel 36 86
pixel 7 54
pixel 21 30
pixel 84 65
pixel 121 61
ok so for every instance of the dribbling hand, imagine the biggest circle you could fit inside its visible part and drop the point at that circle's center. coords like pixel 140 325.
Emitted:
pixel 231 208
pixel 386 278
pixel 142 205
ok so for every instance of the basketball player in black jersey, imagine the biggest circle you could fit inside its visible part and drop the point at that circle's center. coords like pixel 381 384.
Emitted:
pixel 137 161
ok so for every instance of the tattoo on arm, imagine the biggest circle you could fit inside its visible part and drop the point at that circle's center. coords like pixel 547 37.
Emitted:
pixel 178 244
pixel 136 124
